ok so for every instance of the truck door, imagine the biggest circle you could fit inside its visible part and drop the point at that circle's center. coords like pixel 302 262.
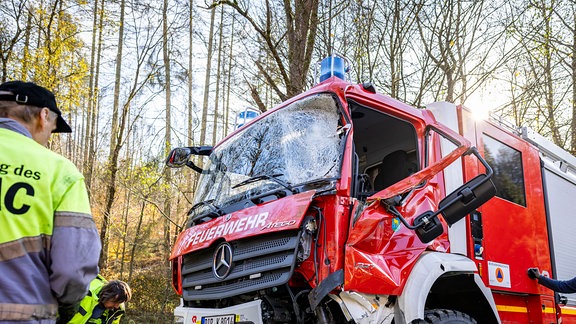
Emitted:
pixel 508 234
pixel 386 151
pixel 401 144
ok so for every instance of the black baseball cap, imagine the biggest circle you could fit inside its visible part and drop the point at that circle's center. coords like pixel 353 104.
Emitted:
pixel 28 93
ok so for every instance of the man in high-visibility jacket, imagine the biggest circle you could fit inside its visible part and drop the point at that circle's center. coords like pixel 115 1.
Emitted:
pixel 49 244
pixel 104 303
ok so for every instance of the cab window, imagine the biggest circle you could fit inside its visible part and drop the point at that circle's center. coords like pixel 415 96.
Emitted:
pixel 385 149
pixel 508 171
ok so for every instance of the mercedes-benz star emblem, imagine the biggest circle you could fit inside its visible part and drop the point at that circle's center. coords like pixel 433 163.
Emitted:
pixel 222 264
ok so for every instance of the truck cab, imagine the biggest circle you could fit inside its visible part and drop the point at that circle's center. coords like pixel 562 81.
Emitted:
pixel 333 207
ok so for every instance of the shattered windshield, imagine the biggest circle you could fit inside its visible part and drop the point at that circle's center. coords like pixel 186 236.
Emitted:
pixel 296 144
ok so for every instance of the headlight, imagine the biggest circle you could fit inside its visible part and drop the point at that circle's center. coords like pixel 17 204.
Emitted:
pixel 305 244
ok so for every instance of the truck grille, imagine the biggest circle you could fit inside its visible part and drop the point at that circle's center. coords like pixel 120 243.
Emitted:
pixel 257 263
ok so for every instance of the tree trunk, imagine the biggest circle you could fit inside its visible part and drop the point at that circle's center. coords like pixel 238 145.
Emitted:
pixel 207 80
pixel 136 243
pixel 91 99
pixel 573 76
pixel 547 47
pixel 300 34
pixel 26 51
pixel 168 127
pixel 218 74
pixel 93 142
pixel 190 74
pixel 112 165
pixel 229 76
pixel 122 242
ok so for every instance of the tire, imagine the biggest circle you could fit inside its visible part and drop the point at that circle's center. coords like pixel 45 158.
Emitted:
pixel 445 316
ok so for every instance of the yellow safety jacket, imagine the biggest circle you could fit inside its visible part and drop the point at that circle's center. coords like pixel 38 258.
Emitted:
pixel 49 244
pixel 91 301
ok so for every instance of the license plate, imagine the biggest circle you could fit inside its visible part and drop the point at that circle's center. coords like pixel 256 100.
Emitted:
pixel 221 319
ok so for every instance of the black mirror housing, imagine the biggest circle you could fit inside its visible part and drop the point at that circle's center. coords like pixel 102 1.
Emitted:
pixel 178 157
pixel 454 207
pixel 467 198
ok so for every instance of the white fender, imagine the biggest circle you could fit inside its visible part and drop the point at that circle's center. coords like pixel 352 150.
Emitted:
pixel 427 270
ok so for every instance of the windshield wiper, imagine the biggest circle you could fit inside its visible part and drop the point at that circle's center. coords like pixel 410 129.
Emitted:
pixel 213 213
pixel 272 177
pixel 318 182
pixel 321 185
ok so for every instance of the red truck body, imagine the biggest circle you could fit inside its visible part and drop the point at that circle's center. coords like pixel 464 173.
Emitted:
pixel 290 227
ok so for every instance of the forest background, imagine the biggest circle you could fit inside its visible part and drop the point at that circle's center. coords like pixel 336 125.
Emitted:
pixel 138 77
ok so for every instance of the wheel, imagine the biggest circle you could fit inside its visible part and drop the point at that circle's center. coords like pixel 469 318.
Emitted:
pixel 445 316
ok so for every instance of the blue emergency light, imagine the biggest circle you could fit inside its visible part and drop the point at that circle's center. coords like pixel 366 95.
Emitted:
pixel 245 116
pixel 334 65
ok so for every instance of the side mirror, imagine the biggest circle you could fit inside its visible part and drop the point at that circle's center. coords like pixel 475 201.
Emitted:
pixel 456 205
pixel 467 198
pixel 180 156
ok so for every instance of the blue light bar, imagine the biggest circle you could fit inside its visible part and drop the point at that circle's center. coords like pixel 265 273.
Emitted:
pixel 332 66
pixel 245 116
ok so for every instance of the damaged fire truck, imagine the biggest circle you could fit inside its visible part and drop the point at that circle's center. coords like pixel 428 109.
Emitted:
pixel 342 205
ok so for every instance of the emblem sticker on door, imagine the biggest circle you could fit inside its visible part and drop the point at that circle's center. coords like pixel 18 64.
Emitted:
pixel 499 274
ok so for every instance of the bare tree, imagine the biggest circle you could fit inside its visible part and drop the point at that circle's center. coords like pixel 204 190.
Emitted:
pixel 207 79
pixel 121 127
pixel 289 39
pixel 190 79
pixel 459 38
pixel 92 112
pixel 218 77
pixel 168 128
pixel 229 77
pixel 114 147
pixel 537 100
pixel 10 31
pixel 26 50
pixel 566 14
pixel 398 29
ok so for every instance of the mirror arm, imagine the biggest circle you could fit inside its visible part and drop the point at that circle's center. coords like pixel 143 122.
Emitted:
pixel 394 201
pixel 395 212
pixel 489 171
pixel 201 150
pixel 469 191
pixel 194 167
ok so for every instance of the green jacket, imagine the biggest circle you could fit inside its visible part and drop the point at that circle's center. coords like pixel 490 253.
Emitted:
pixel 89 304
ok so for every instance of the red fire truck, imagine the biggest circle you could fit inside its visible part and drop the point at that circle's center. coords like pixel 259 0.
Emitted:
pixel 342 205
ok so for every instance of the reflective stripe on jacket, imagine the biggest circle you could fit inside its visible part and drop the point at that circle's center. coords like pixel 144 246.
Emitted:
pixel 49 244
pixel 89 303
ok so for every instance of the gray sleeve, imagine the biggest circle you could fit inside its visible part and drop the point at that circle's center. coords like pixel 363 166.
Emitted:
pixel 74 254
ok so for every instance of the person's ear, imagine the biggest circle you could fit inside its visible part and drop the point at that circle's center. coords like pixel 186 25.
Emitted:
pixel 40 119
pixel 46 119
pixel 41 126
pixel 45 114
